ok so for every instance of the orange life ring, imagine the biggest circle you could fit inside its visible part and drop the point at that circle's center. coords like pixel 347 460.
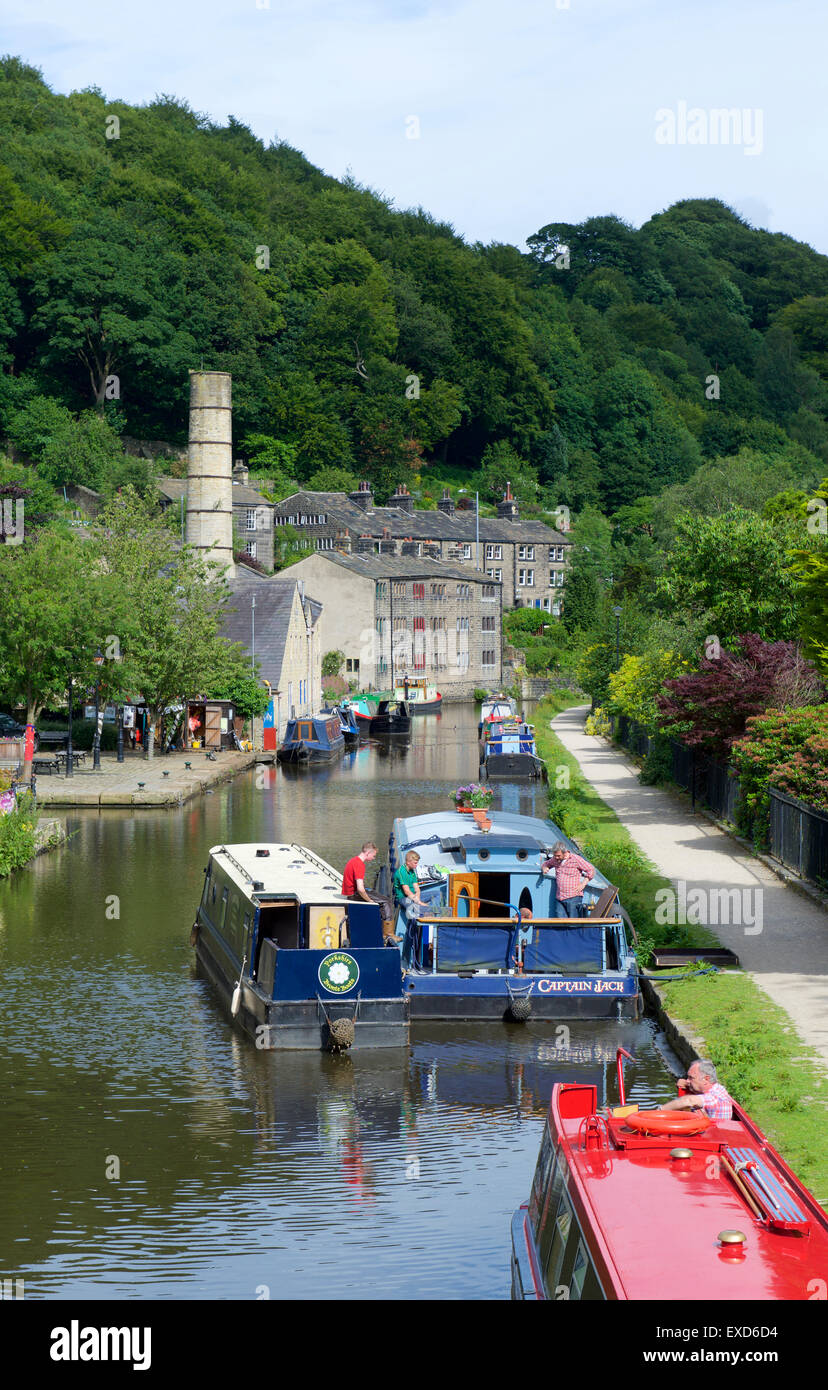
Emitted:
pixel 667 1121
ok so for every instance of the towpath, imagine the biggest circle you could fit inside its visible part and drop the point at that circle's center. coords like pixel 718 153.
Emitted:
pixel 788 957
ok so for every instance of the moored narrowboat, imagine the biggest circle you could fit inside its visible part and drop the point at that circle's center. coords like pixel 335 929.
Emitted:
pixel 469 954
pixel 392 717
pixel 421 696
pixel 737 1222
pixel 314 738
pixel 347 723
pixel 496 707
pixel 297 964
pixel 507 750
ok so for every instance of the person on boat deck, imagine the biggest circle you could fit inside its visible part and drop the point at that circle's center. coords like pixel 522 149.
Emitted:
pixel 703 1092
pixel 406 883
pixel 572 874
pixel 524 936
pixel 353 887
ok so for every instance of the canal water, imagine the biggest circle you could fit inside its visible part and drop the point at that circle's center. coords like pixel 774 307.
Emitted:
pixel 149 1151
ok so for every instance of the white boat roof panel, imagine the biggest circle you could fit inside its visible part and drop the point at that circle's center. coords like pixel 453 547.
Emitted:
pixel 284 869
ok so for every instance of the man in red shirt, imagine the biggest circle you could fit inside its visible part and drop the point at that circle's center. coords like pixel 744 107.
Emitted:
pixel 353 887
pixel 572 874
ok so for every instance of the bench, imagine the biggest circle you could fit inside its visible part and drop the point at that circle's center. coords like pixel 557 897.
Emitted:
pixel 53 738
pixel 49 765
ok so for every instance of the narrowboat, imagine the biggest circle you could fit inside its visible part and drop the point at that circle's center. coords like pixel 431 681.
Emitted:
pixel 496 707
pixel 314 738
pixel 364 708
pixel 392 717
pixel 507 749
pixel 469 955
pixel 296 963
pixel 347 723
pixel 619 1212
pixel 421 696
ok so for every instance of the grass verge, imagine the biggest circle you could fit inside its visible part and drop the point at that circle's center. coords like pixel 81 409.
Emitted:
pixel 760 1057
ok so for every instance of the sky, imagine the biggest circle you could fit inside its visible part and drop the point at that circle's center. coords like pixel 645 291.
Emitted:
pixel 497 116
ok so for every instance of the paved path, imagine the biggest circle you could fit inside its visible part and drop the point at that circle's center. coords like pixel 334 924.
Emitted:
pixel 116 784
pixel 788 958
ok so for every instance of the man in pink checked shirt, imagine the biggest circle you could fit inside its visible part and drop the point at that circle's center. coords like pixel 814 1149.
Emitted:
pixel 572 874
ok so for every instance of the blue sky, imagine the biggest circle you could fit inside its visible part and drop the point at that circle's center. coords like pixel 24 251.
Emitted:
pixel 527 111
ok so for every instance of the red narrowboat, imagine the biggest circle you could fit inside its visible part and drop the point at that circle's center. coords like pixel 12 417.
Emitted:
pixel 619 1212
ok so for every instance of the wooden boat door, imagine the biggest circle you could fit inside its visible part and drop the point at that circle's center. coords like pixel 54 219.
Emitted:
pixel 463 894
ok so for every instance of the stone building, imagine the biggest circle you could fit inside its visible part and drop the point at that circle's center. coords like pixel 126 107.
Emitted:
pixel 527 559
pixel 252 514
pixel 281 632
pixel 397 615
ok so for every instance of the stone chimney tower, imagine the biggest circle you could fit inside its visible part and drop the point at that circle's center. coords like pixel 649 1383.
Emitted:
pixel 402 499
pixel 210 468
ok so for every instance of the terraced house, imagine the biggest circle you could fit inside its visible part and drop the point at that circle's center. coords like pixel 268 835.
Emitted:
pixel 526 559
pixel 394 616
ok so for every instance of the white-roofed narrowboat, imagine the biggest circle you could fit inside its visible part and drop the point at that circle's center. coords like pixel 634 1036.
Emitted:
pixel 299 965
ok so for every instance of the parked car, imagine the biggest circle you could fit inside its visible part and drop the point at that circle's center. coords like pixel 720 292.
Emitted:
pixel 10 728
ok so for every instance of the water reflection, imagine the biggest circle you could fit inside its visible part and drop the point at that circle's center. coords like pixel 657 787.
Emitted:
pixel 379 1175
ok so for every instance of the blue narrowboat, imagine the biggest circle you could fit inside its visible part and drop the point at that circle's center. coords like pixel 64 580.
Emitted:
pixel 296 963
pixel 315 738
pixel 347 722
pixel 507 749
pixel 471 956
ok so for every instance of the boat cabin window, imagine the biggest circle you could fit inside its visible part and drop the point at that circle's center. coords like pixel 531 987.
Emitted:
pixel 304 729
pixel 550 1212
pixel 205 896
pixel 223 916
pixel 561 1239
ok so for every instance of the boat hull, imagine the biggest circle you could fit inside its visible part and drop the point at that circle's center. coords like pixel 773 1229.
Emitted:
pixel 299 753
pixel 302 1024
pixel 452 998
pixel 513 767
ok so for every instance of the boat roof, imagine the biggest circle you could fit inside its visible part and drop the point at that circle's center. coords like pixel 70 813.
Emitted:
pixel 656 1219
pixel 429 833
pixel 282 869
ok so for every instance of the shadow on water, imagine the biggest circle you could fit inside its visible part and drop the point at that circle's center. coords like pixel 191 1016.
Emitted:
pixel 151 1151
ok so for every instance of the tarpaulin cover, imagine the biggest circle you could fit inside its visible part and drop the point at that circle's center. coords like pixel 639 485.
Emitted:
pixel 575 950
pixel 473 948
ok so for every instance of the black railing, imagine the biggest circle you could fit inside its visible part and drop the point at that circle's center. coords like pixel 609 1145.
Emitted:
pixel 798 832
pixel 799 836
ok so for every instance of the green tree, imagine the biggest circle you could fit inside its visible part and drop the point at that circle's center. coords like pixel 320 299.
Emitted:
pixel 729 574
pixel 173 602
pixel 59 611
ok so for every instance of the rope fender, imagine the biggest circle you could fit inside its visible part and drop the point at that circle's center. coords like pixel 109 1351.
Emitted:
pixel 341 1031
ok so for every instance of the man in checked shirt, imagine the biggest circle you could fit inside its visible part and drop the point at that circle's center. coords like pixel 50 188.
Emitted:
pixel 572 874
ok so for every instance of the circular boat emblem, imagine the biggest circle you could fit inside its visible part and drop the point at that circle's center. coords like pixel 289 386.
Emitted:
pixel 338 972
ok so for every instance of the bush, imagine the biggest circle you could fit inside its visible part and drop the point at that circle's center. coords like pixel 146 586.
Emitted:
pixel 332 662
pixel 783 748
pixel 18 835
pixel 598 723
pixel 83 732
pixel 657 768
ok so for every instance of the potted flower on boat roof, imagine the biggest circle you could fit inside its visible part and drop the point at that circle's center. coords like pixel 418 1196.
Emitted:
pixel 475 799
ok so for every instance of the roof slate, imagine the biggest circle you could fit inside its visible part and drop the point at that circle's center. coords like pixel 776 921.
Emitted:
pixel 403 567
pixel 274 601
pixel 419 525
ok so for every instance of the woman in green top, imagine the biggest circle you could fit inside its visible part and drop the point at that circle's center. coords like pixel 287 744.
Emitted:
pixel 406 883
